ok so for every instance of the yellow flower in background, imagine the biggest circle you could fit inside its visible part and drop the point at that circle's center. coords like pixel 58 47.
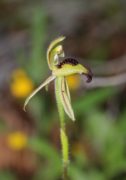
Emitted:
pixel 21 85
pixel 73 81
pixel 17 140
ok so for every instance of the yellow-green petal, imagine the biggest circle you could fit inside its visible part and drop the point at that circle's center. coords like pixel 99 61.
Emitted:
pixel 66 101
pixel 47 81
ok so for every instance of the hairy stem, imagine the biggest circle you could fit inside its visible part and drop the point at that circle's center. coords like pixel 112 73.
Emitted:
pixel 63 136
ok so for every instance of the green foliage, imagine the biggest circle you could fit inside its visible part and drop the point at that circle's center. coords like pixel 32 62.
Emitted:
pixel 92 99
pixel 103 156
pixel 104 133
pixel 7 175
pixel 54 164
pixel 37 62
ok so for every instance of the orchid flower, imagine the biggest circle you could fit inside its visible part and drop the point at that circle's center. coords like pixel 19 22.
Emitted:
pixel 61 67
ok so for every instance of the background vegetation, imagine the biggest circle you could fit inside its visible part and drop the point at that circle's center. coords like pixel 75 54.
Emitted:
pixel 29 142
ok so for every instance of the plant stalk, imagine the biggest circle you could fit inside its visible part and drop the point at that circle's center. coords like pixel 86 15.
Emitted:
pixel 63 136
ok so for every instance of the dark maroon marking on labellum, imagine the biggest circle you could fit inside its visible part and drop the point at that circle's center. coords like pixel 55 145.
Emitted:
pixel 89 76
pixel 71 61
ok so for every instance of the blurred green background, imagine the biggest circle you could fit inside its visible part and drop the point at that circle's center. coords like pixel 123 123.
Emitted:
pixel 29 141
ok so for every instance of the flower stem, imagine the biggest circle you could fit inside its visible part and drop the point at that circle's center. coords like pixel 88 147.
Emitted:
pixel 63 136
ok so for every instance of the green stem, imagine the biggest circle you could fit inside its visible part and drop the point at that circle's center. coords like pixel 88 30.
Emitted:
pixel 63 136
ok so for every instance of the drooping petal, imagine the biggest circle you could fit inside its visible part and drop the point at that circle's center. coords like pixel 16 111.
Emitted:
pixel 66 101
pixel 67 89
pixel 47 81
